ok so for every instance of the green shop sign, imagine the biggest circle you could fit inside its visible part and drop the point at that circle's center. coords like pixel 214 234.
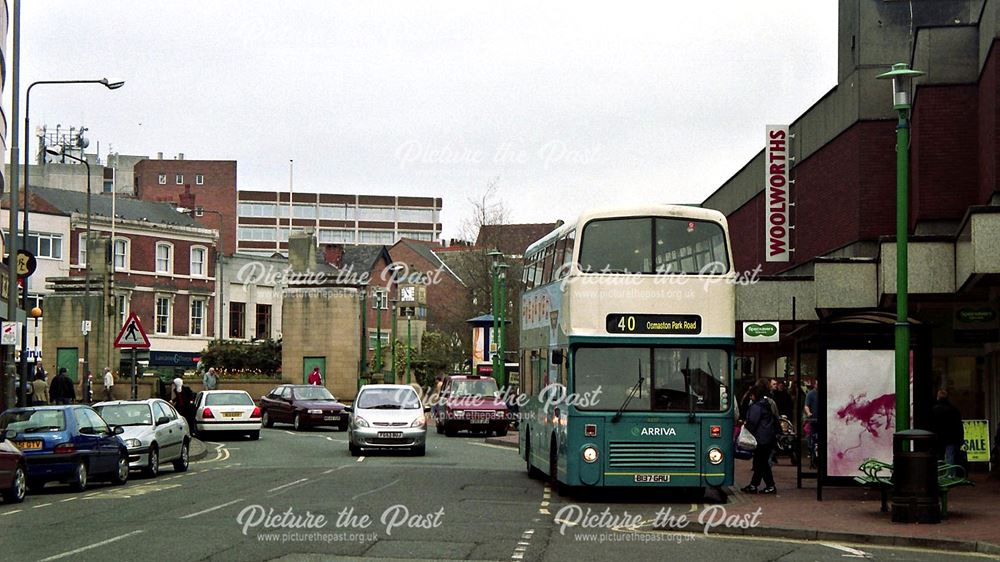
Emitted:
pixel 760 331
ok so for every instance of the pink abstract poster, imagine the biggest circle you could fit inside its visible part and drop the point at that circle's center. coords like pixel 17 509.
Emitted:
pixel 860 408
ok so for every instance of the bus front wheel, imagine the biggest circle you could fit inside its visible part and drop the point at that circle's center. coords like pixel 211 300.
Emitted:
pixel 533 472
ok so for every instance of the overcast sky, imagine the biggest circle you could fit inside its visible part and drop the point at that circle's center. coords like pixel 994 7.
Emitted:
pixel 570 104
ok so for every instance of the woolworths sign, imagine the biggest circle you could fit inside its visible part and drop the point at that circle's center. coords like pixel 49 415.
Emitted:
pixel 760 331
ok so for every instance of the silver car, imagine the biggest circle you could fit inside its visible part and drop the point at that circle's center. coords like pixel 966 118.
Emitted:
pixel 154 433
pixel 387 416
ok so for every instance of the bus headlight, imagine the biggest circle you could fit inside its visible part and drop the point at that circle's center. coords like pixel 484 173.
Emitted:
pixel 589 455
pixel 715 455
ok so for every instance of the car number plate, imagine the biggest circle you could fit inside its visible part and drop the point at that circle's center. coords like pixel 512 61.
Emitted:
pixel 331 418
pixel 390 434
pixel 28 445
pixel 231 414
pixel 652 478
pixel 480 421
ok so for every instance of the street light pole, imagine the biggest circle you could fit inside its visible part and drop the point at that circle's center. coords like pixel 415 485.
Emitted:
pixel 85 378
pixel 502 307
pixel 24 227
pixel 409 316
pixel 901 77
pixel 495 256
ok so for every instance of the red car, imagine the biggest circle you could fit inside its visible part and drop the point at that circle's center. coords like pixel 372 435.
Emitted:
pixel 303 406
pixel 13 471
pixel 471 402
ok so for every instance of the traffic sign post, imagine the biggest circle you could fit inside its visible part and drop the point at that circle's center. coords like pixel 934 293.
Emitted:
pixel 132 335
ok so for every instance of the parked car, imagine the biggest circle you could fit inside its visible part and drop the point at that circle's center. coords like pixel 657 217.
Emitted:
pixel 303 406
pixel 472 403
pixel 70 444
pixel 13 471
pixel 387 416
pixel 231 411
pixel 154 433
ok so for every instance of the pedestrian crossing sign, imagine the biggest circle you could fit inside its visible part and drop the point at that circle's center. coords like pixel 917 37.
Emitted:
pixel 132 334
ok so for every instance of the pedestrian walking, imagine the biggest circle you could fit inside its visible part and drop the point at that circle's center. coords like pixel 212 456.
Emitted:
pixel 62 390
pixel 40 388
pixel 210 381
pixel 783 399
pixel 761 422
pixel 109 384
pixel 946 422
pixel 315 377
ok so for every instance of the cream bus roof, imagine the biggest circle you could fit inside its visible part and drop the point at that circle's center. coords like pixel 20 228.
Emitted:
pixel 685 211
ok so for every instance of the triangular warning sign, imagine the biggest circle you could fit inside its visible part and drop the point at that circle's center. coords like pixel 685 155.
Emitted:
pixel 132 334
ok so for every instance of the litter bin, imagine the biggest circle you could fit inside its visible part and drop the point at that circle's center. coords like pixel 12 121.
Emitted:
pixel 915 495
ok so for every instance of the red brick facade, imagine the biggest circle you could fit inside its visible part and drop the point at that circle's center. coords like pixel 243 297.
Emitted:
pixel 217 193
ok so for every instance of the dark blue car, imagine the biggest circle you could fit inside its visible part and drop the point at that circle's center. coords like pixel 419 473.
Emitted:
pixel 69 444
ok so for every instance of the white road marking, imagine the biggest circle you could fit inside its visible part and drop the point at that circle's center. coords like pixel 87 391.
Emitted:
pixel 41 505
pixel 492 446
pixel 68 500
pixel 211 509
pixel 851 552
pixel 12 512
pixel 88 547
pixel 360 459
pixel 375 490
pixel 522 545
pixel 300 480
pixel 544 512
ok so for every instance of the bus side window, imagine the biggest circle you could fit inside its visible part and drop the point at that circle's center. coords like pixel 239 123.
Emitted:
pixel 547 264
pixel 568 255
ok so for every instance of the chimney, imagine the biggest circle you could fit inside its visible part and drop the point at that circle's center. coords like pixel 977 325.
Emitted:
pixel 333 254
pixel 159 156
pixel 186 199
pixel 180 155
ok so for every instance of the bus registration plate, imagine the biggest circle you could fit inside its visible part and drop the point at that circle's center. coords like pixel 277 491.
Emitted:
pixel 652 478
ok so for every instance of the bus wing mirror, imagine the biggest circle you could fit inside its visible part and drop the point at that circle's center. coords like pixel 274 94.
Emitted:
pixel 557 356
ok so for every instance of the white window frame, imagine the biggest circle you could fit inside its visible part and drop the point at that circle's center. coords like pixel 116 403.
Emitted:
pixel 126 261
pixel 162 179
pixel 204 261
pixel 202 318
pixel 81 250
pixel 170 258
pixel 122 304
pixel 156 314
pixel 179 179
pixel 199 179
pixel 380 296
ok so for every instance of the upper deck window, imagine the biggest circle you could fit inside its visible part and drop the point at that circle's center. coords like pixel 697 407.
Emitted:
pixel 654 245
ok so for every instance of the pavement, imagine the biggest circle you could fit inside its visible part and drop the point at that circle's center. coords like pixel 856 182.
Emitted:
pixel 198 450
pixel 853 514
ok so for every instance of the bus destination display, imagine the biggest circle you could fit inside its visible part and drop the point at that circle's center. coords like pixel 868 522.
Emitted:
pixel 672 324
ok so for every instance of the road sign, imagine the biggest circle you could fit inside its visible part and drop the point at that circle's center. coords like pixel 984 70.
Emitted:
pixel 26 263
pixel 9 333
pixel 132 334
pixel 85 327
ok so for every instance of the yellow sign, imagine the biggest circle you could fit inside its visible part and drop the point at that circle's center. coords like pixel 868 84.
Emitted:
pixel 977 440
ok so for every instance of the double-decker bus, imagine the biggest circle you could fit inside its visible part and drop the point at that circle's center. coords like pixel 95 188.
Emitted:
pixel 627 340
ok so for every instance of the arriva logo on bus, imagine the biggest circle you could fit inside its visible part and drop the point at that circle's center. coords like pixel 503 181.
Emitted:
pixel 653 431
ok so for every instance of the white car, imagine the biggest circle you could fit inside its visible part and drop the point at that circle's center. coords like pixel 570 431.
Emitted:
pixel 154 433
pixel 387 416
pixel 232 411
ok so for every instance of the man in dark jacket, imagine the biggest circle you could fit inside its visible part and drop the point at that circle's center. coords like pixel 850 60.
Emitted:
pixel 61 390
pixel 764 427
pixel 947 425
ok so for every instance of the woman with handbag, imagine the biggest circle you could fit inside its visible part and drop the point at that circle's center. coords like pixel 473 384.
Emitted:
pixel 762 424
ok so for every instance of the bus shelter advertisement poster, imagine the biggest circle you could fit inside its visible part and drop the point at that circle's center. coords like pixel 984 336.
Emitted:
pixel 860 408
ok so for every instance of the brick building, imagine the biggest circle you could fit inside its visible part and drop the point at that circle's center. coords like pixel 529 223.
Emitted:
pixel 842 204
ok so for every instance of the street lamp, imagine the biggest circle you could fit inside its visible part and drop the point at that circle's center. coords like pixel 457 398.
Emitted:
pixel 27 202
pixel 85 325
pixel 36 313
pixel 393 312
pixel 902 77
pixel 495 256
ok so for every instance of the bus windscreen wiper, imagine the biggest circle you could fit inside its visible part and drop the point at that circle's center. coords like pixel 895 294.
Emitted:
pixel 687 388
pixel 638 385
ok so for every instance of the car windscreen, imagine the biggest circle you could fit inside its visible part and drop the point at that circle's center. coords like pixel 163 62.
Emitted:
pixel 312 393
pixel 388 399
pixel 126 414
pixel 31 421
pixel 228 399
pixel 474 387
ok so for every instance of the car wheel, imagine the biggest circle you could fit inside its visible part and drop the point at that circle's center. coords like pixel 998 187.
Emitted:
pixel 450 431
pixel 79 481
pixel 121 475
pixel 420 451
pixel 355 451
pixel 181 464
pixel 502 432
pixel 153 468
pixel 297 423
pixel 18 487
pixel 342 427
pixel 265 419
pixel 439 427
pixel 35 486
pixel 254 435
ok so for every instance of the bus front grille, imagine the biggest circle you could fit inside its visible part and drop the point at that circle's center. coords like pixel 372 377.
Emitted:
pixel 652 455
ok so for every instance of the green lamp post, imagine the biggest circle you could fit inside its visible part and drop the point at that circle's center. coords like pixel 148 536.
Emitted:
pixel 495 337
pixel 902 77
pixel 502 308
